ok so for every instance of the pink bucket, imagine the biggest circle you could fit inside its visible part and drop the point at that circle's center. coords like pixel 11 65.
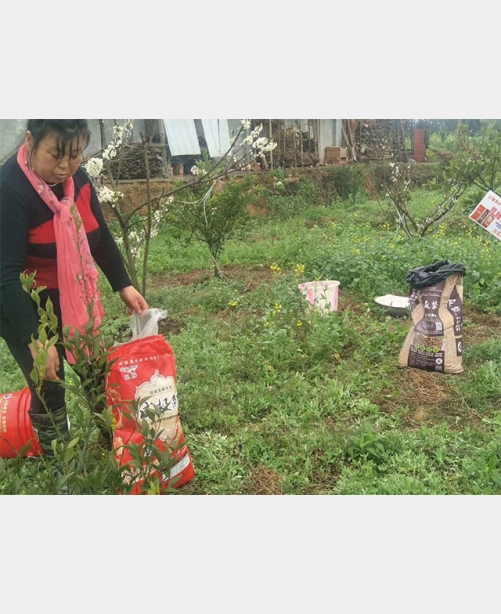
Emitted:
pixel 322 296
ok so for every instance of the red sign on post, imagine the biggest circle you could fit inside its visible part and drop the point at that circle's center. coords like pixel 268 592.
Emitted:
pixel 488 213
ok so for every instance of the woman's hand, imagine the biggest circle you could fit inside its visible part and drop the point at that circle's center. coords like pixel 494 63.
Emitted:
pixel 135 302
pixel 53 364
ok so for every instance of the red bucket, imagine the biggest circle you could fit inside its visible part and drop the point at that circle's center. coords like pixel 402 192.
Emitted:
pixel 16 430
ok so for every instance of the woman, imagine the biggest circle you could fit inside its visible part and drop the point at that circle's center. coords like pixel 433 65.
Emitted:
pixel 51 224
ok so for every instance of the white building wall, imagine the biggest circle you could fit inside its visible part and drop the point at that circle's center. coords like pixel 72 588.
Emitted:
pixel 12 133
pixel 330 135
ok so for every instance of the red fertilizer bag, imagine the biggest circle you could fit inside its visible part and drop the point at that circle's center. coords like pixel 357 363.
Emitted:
pixel 142 392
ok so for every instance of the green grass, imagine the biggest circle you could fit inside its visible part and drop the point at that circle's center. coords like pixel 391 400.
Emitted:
pixel 276 399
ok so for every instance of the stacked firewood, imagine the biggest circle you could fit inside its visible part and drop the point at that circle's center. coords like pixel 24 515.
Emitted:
pixel 295 147
pixel 290 157
pixel 379 139
pixel 131 163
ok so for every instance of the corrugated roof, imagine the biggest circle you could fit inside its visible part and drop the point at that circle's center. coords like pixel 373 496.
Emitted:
pixel 182 137
pixel 217 136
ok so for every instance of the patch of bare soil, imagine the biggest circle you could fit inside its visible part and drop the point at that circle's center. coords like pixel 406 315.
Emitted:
pixel 251 276
pixel 263 481
pixel 429 399
pixel 479 327
pixel 192 278
pixel 427 394
pixel 347 302
pixel 169 327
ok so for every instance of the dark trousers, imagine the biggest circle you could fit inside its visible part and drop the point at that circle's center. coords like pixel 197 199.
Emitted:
pixel 52 394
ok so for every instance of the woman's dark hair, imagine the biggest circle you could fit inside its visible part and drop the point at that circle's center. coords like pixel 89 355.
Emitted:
pixel 66 131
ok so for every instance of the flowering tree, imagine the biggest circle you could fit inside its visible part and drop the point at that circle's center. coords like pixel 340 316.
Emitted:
pixel 475 164
pixel 140 224
pixel 477 160
pixel 397 188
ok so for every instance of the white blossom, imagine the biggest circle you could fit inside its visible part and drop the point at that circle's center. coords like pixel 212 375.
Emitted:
pixel 246 123
pixel 109 153
pixel 94 167
pixel 106 195
pixel 121 135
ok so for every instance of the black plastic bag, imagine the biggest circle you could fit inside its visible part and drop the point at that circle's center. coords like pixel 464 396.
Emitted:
pixel 432 274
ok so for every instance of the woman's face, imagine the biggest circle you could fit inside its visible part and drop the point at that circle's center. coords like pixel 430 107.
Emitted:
pixel 45 162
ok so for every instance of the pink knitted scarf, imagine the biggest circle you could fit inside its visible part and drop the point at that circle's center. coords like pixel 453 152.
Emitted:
pixel 76 272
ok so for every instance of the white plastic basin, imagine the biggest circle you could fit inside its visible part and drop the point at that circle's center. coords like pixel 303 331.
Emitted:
pixel 394 305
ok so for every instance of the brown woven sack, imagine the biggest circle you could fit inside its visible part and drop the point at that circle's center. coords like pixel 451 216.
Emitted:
pixel 435 340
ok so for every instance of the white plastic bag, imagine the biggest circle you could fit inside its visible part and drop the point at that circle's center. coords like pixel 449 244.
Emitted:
pixel 146 324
